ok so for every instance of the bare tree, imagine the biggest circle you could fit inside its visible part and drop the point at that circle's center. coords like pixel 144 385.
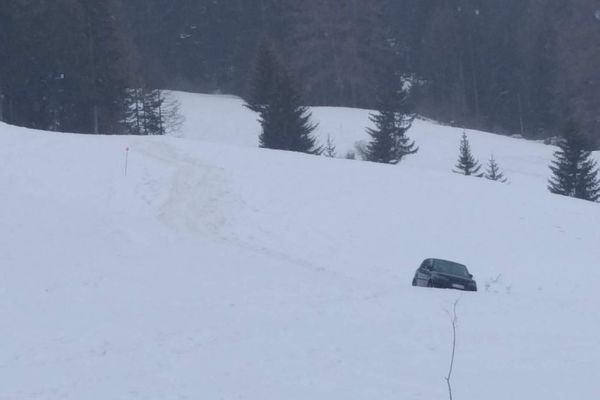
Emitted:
pixel 454 321
pixel 346 42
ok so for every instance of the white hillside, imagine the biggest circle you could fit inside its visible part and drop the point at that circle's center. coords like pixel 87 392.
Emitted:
pixel 224 119
pixel 215 270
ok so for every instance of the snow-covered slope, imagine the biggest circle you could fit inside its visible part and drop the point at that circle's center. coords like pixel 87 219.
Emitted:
pixel 228 272
pixel 224 119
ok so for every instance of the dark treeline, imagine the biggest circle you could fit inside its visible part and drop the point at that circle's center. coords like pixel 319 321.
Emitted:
pixel 61 65
pixel 70 65
pixel 513 66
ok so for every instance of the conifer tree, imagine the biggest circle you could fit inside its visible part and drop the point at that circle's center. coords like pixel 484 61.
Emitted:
pixel 134 110
pixel 286 123
pixel 150 112
pixel 262 82
pixel 4 52
pixel 574 172
pixel 154 120
pixel 329 148
pixel 106 85
pixel 389 143
pixel 44 87
pixel 493 172
pixel 467 165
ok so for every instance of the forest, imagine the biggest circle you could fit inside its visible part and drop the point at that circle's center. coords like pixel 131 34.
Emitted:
pixel 511 66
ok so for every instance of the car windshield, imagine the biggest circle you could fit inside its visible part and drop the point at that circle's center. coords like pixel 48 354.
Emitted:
pixel 448 267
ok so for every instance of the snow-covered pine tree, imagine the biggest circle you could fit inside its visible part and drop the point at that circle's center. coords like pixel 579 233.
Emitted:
pixel 574 172
pixel 329 150
pixel 467 165
pixel 389 143
pixel 494 173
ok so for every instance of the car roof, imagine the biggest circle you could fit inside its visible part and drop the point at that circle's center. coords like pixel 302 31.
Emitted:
pixel 441 259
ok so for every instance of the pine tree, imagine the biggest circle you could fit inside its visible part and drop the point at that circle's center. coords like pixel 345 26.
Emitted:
pixel 389 143
pixel 284 120
pixel 154 121
pixel 106 89
pixel 43 68
pixel 329 148
pixel 150 112
pixel 575 173
pixel 171 115
pixel 4 52
pixel 340 49
pixel 467 165
pixel 134 110
pixel 493 172
pixel 262 82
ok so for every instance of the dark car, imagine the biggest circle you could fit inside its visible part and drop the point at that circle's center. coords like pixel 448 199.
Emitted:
pixel 444 274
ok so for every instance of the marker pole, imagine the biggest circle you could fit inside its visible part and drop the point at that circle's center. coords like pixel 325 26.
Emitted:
pixel 126 159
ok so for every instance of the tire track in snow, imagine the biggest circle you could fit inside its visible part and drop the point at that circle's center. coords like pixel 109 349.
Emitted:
pixel 200 200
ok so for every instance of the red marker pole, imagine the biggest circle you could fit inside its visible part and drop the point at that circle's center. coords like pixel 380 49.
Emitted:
pixel 126 158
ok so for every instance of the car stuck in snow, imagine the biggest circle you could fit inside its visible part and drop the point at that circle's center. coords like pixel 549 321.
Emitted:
pixel 444 274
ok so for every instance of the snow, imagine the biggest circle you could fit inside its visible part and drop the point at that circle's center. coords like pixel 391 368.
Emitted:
pixel 221 271
pixel 224 119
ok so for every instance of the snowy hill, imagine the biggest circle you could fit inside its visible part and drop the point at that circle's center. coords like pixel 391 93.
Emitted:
pixel 224 119
pixel 215 270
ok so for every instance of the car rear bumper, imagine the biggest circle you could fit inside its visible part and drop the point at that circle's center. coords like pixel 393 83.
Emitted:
pixel 466 286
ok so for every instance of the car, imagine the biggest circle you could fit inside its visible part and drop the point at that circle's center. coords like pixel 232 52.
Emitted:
pixel 436 273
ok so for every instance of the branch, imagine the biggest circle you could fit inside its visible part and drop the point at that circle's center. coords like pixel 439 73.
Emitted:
pixel 453 320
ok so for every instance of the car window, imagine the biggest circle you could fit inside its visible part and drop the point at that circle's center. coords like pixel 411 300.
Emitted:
pixel 449 267
pixel 425 263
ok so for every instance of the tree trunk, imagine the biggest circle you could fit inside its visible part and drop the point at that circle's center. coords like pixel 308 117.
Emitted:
pixel 463 91
pixel 93 78
pixel 474 66
pixel 161 128
pixel 11 110
pixel 521 124
pixel 95 119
